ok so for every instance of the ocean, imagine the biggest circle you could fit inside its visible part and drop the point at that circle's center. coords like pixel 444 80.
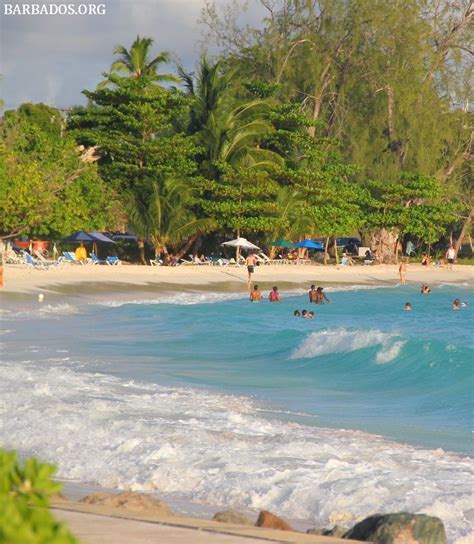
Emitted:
pixel 210 399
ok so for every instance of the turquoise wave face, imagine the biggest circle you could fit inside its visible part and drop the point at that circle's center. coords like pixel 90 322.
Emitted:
pixel 361 363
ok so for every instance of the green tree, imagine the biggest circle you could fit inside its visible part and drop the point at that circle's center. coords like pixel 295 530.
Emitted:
pixel 25 492
pixel 136 63
pixel 45 187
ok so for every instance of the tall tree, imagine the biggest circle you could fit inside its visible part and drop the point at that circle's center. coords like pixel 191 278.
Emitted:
pixel 137 63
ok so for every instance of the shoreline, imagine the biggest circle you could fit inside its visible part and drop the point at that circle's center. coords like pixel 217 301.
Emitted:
pixel 101 281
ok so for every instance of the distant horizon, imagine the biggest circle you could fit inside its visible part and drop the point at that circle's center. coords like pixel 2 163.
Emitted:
pixel 52 59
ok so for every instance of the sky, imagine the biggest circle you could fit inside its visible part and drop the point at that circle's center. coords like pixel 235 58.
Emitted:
pixel 52 58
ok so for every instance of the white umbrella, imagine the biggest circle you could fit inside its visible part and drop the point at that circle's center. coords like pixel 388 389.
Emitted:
pixel 240 242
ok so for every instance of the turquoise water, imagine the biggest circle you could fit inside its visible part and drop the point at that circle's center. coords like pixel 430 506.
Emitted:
pixel 196 394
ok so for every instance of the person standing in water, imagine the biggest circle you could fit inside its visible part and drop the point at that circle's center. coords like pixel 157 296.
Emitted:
pixel 250 262
pixel 319 297
pixel 312 294
pixel 274 295
pixel 402 270
pixel 255 295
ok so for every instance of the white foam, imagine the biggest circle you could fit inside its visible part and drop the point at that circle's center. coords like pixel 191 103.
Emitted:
pixel 325 342
pixel 217 449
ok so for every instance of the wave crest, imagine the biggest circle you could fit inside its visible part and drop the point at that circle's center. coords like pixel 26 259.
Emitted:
pixel 343 341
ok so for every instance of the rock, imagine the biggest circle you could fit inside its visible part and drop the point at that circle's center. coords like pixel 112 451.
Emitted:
pixel 229 516
pixel 337 530
pixel 133 502
pixel 400 528
pixel 270 521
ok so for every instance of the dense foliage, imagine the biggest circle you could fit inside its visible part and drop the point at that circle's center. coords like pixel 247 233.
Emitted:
pixel 329 118
pixel 25 491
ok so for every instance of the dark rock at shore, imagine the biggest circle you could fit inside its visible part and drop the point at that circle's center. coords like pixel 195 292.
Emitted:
pixel 337 530
pixel 270 521
pixel 133 502
pixel 400 528
pixel 229 516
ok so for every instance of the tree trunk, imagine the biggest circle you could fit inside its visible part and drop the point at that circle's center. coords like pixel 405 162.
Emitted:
pixel 335 251
pixel 186 246
pixel 141 251
pixel 326 251
pixel 465 230
pixel 385 242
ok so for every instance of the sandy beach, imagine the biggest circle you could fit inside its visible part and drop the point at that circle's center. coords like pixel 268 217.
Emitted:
pixel 83 280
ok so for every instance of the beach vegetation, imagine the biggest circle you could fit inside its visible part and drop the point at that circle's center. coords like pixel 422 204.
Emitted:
pixel 45 187
pixel 26 489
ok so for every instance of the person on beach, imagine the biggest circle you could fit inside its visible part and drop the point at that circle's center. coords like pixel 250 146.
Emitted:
pixel 425 290
pixel 312 293
pixel 402 270
pixel 407 307
pixel 320 297
pixel 274 295
pixel 425 260
pixel 250 262
pixel 255 295
pixel 450 256
pixel 81 253
pixel 297 313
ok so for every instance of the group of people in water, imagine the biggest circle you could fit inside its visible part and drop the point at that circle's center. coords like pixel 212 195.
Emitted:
pixel 316 295
pixel 425 290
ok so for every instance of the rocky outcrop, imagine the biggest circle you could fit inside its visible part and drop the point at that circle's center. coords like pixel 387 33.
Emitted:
pixel 270 521
pixel 337 530
pixel 132 502
pixel 401 528
pixel 229 516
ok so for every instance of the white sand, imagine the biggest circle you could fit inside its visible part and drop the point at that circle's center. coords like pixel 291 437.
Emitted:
pixel 80 279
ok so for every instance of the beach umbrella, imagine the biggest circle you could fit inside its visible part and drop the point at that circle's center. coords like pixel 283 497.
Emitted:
pixel 282 243
pixel 309 244
pixel 92 237
pixel 238 243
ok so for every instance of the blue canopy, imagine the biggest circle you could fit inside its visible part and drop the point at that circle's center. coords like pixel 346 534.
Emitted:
pixel 309 244
pixel 93 237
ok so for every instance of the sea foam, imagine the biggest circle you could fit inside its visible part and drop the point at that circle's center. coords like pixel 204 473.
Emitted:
pixel 218 449
pixel 325 342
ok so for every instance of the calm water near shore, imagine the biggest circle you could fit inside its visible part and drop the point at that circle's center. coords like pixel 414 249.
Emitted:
pixel 210 398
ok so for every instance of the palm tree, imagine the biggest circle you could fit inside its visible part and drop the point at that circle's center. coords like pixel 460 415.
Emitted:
pixel 166 218
pixel 136 63
pixel 229 131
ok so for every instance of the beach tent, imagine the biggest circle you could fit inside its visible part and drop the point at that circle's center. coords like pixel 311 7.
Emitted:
pixel 282 243
pixel 309 244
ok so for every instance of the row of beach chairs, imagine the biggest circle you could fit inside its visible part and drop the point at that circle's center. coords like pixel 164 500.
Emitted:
pixel 39 262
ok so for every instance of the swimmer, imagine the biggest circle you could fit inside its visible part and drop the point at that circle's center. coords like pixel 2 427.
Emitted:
pixel 311 315
pixel 304 313
pixel 274 295
pixel 255 295
pixel 297 313
pixel 319 297
pixel 407 307
pixel 456 304
pixel 425 290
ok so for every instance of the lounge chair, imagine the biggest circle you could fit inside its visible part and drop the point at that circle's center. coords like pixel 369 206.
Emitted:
pixel 95 260
pixel 49 262
pixel 113 261
pixel 31 261
pixel 156 262
pixel 71 258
